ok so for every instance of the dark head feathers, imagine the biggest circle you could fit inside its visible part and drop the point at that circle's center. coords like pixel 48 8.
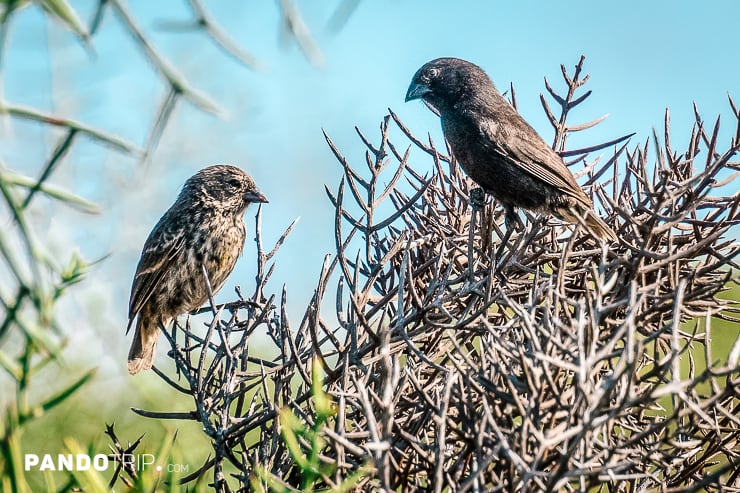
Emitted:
pixel 445 81
pixel 223 187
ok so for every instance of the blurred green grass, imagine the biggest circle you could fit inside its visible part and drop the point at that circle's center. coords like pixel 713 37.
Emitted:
pixel 722 336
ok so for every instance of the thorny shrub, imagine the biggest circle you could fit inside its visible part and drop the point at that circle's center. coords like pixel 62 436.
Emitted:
pixel 564 365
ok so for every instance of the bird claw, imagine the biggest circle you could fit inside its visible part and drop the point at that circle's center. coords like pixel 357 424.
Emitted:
pixel 477 198
pixel 502 260
pixel 512 219
pixel 498 273
pixel 356 361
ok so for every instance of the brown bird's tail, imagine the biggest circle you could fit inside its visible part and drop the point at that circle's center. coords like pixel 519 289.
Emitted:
pixel 141 354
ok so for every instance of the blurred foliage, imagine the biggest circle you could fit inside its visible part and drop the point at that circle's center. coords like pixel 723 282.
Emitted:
pixel 37 379
pixel 305 445
pixel 31 339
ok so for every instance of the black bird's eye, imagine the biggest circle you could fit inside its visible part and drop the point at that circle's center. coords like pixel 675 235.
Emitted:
pixel 234 183
pixel 432 73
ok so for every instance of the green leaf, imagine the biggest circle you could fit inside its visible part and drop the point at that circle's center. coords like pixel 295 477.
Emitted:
pixel 13 471
pixel 165 454
pixel 274 484
pixel 64 394
pixel 36 115
pixel 289 426
pixel 10 7
pixel 351 481
pixel 51 191
pixel 323 402
pixel 40 337
pixel 75 270
pixel 65 13
pixel 91 481
pixel 54 401
pixel 11 366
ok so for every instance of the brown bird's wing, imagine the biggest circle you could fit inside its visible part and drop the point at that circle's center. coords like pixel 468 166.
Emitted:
pixel 528 149
pixel 161 252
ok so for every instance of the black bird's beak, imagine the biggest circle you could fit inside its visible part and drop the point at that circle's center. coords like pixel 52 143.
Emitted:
pixel 255 196
pixel 417 91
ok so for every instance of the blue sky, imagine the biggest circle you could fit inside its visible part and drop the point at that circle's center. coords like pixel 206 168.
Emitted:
pixel 643 57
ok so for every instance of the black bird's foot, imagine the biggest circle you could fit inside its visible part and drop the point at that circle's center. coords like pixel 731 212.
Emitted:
pixel 356 361
pixel 477 198
pixel 501 259
pixel 498 273
pixel 512 219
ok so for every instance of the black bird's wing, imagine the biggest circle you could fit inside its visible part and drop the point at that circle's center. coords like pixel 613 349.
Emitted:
pixel 509 134
pixel 161 252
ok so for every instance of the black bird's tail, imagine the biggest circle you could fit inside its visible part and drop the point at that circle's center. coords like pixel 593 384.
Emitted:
pixel 588 218
pixel 598 227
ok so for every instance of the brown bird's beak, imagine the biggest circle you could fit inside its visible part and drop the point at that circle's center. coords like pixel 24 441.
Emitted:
pixel 255 196
pixel 417 91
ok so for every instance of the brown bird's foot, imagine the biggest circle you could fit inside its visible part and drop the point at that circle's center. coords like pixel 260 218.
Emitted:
pixel 477 198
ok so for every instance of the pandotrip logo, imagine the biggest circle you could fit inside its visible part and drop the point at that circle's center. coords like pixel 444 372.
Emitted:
pixel 97 462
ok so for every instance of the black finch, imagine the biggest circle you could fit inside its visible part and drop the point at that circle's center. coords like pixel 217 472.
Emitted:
pixel 497 148
pixel 204 228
